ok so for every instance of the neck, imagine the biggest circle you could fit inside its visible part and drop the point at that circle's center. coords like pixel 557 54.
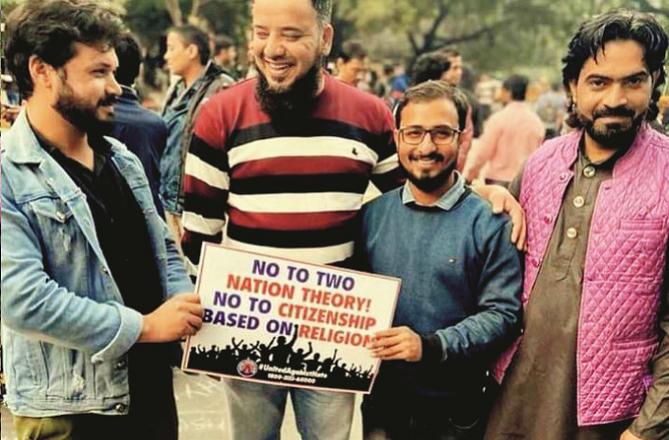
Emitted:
pixel 192 74
pixel 427 198
pixel 57 130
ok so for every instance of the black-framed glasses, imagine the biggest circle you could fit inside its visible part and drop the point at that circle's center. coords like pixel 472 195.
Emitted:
pixel 441 135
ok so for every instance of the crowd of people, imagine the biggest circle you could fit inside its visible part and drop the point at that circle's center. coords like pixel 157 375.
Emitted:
pixel 528 221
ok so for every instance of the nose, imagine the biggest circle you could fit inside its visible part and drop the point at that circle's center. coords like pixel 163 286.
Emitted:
pixel 113 87
pixel 274 47
pixel 427 145
pixel 616 96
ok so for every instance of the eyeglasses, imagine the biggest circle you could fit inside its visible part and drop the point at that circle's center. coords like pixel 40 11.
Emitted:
pixel 442 135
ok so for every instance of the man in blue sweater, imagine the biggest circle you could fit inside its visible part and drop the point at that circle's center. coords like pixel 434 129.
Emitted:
pixel 461 281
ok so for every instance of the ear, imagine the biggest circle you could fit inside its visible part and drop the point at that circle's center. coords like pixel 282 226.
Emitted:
pixel 340 64
pixel 40 72
pixel 193 52
pixel 327 38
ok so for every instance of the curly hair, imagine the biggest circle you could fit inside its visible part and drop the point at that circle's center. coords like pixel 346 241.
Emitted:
pixel 49 29
pixel 619 24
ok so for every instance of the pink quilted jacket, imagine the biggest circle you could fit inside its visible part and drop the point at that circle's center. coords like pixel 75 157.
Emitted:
pixel 624 267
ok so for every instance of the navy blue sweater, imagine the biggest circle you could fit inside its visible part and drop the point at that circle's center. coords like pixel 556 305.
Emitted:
pixel 461 286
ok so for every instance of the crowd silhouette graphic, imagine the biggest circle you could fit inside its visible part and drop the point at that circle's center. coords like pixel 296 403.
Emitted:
pixel 261 360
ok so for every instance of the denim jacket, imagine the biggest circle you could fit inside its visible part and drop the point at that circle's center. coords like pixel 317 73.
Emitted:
pixel 65 330
pixel 179 115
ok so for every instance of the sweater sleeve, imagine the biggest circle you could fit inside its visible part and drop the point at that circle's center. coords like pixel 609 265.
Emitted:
pixel 206 185
pixel 497 319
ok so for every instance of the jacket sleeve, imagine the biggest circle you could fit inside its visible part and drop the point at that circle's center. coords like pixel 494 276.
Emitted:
pixel 653 420
pixel 497 321
pixel 35 305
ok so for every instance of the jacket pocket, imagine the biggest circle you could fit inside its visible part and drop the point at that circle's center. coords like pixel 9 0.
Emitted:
pixel 635 355
pixel 64 243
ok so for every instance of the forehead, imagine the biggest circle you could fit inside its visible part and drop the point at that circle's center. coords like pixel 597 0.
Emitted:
pixel 617 59
pixel 455 61
pixel 430 113
pixel 175 38
pixel 356 62
pixel 86 55
pixel 284 13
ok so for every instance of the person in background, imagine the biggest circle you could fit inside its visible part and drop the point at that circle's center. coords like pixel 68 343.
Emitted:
pixel 352 63
pixel 509 136
pixel 141 130
pixel 225 55
pixel 187 57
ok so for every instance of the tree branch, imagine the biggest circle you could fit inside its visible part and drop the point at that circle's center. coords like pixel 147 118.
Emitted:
pixel 645 5
pixel 430 35
pixel 474 35
pixel 412 42
pixel 174 10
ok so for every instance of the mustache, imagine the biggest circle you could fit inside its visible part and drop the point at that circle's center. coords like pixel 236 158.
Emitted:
pixel 432 156
pixel 615 111
pixel 109 100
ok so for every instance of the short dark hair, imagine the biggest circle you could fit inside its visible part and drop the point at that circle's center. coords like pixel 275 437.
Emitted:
pixel 450 52
pixel 222 42
pixel 50 28
pixel 619 24
pixel 323 10
pixel 429 66
pixel 194 35
pixel 129 55
pixel 432 90
pixel 517 85
pixel 352 50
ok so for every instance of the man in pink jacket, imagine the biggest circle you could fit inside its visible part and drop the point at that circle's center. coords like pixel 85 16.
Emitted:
pixel 593 362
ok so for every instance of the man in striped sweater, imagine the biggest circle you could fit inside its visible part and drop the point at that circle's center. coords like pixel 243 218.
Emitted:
pixel 279 165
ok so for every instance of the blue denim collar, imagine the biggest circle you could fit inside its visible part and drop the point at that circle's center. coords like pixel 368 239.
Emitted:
pixel 446 201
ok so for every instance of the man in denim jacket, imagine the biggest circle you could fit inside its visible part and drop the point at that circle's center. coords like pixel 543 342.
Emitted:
pixel 87 263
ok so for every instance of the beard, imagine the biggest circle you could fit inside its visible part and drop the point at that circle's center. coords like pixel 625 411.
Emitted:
pixel 82 115
pixel 614 136
pixel 298 101
pixel 427 183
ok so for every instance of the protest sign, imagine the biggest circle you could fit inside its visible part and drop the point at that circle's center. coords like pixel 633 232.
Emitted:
pixel 273 320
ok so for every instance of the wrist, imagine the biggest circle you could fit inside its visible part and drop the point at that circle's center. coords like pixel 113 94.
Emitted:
pixel 432 349
pixel 147 328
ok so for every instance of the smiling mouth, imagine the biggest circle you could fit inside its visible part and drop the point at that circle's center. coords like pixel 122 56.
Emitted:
pixel 276 67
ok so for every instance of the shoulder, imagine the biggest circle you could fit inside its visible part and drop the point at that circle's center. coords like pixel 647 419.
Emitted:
pixel 553 146
pixel 235 93
pixel 356 98
pixel 121 151
pixel 381 204
pixel 658 140
pixel 344 103
pixel 479 212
